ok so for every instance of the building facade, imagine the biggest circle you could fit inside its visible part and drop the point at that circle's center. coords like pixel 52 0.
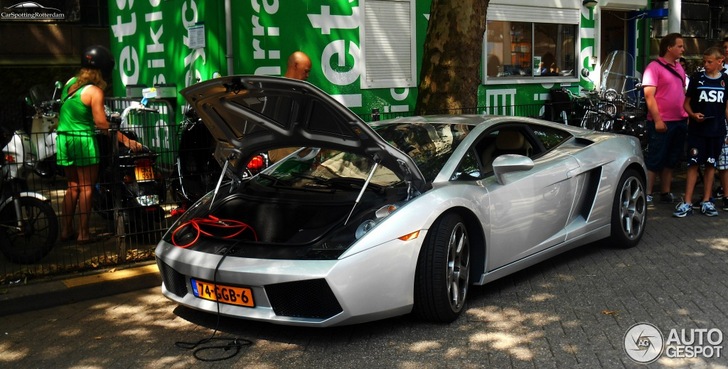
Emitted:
pixel 365 52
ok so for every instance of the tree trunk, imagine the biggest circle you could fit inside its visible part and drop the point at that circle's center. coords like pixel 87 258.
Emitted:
pixel 451 71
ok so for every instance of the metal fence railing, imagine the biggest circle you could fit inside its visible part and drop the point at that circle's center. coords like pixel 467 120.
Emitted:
pixel 129 232
pixel 125 231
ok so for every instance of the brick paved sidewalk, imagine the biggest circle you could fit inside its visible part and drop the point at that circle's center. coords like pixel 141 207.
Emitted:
pixel 569 312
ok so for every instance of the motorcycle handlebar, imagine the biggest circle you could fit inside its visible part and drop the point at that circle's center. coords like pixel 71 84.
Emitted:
pixel 137 108
pixel 118 118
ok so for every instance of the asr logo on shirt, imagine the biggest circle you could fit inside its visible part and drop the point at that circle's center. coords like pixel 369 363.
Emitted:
pixel 712 96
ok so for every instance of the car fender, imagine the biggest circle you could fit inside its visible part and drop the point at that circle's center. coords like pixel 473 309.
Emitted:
pixel 421 212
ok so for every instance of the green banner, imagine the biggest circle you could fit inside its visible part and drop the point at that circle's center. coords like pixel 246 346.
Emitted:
pixel 330 33
pixel 152 45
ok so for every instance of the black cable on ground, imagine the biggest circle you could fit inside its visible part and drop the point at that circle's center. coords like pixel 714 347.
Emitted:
pixel 232 343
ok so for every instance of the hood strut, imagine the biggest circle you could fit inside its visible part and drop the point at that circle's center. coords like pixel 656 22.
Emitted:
pixel 363 188
pixel 219 182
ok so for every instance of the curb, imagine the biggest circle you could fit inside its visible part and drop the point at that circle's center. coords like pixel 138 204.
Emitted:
pixel 60 292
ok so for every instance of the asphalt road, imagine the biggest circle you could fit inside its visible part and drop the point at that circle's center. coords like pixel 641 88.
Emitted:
pixel 573 311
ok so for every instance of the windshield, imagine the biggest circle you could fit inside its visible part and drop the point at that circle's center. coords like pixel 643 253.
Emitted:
pixel 327 169
pixel 618 77
pixel 429 145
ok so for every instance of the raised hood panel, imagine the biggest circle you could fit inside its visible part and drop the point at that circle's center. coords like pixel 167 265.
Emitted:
pixel 252 114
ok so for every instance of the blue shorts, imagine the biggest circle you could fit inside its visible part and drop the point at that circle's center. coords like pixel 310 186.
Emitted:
pixel 704 150
pixel 665 149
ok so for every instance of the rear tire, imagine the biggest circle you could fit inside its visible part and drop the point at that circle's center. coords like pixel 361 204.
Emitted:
pixel 39 233
pixel 629 211
pixel 443 271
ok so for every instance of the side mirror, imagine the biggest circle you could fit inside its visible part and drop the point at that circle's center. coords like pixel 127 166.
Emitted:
pixel 585 72
pixel 508 163
pixel 58 86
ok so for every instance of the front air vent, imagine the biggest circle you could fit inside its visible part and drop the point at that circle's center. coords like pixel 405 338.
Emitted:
pixel 304 299
pixel 172 279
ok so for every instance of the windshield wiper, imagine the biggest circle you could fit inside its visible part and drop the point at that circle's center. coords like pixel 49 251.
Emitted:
pixel 318 180
pixel 346 183
pixel 276 181
pixel 350 183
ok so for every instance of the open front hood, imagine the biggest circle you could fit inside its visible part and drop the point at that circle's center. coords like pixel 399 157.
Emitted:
pixel 252 114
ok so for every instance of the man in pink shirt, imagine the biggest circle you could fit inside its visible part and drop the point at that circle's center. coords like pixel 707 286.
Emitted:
pixel 664 88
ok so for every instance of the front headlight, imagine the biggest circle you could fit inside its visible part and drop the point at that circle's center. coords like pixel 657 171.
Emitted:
pixel 364 227
pixel 369 224
pixel 610 95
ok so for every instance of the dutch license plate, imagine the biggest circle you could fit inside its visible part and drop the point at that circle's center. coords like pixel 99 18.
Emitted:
pixel 240 296
pixel 143 174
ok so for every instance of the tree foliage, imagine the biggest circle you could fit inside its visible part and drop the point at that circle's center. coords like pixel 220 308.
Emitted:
pixel 451 71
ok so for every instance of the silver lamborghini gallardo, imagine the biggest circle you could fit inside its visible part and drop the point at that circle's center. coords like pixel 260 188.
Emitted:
pixel 366 221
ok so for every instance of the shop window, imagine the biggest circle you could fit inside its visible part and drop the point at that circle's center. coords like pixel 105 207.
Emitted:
pixel 530 50
pixel 389 44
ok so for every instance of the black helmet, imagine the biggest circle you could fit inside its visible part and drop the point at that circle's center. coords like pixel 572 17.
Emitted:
pixel 98 57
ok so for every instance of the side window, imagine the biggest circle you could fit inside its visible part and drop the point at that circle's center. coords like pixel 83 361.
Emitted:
pixel 505 139
pixel 469 168
pixel 550 137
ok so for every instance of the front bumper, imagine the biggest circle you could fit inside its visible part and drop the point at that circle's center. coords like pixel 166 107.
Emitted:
pixel 374 284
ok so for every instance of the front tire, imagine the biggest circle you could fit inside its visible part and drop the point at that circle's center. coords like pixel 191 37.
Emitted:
pixel 443 271
pixel 629 211
pixel 37 235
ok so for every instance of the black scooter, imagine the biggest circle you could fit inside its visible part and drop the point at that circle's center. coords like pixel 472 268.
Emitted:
pixel 131 189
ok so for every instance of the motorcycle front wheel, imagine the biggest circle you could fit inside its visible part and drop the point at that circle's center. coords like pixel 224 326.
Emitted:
pixel 590 120
pixel 30 240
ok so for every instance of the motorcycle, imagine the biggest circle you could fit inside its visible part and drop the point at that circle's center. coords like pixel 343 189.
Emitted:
pixel 618 106
pixel 130 190
pixel 28 223
pixel 34 148
pixel 197 170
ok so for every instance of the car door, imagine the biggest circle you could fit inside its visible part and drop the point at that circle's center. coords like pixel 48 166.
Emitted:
pixel 528 213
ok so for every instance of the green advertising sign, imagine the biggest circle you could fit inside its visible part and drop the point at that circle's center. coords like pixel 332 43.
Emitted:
pixel 330 33
pixel 153 46
pixel 158 42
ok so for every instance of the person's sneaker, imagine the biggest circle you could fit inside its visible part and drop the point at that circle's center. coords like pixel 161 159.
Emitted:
pixel 650 203
pixel 719 192
pixel 699 205
pixel 682 210
pixel 667 197
pixel 725 203
pixel 708 209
